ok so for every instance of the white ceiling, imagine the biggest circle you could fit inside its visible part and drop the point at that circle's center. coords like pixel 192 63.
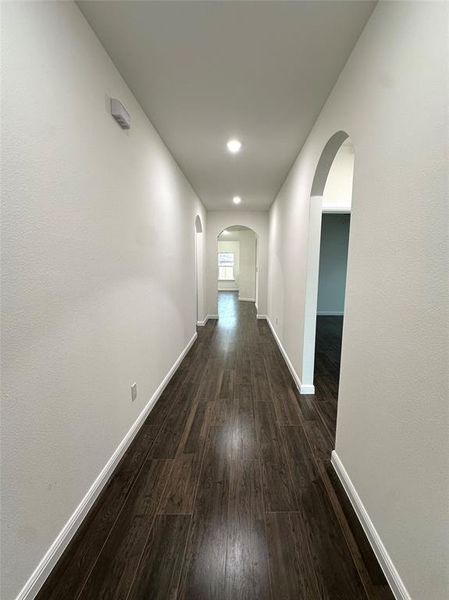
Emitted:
pixel 208 71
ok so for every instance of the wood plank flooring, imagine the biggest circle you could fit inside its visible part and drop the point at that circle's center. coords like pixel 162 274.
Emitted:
pixel 227 491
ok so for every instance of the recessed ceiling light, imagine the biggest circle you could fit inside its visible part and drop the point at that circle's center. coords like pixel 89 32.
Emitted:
pixel 234 146
pixel 236 199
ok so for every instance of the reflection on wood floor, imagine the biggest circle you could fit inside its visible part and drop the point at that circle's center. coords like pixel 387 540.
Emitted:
pixel 227 491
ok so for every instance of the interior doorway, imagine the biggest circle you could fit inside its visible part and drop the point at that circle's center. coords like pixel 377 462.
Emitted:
pixel 330 217
pixel 330 306
pixel 237 264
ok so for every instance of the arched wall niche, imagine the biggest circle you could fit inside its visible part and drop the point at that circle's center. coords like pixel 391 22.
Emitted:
pixel 198 224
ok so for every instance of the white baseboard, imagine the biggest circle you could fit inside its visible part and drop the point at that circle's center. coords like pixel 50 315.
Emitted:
pixel 211 317
pixel 394 580
pixel 285 355
pixel 203 322
pixel 307 388
pixel 303 388
pixel 247 299
pixel 330 313
pixel 51 557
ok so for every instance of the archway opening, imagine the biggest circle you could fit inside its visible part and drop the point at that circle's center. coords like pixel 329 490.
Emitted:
pixel 237 280
pixel 330 214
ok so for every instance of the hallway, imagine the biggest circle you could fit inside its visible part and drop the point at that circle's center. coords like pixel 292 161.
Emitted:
pixel 226 492
pixel 156 443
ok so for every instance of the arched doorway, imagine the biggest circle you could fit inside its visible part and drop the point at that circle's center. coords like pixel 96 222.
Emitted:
pixel 330 208
pixel 237 278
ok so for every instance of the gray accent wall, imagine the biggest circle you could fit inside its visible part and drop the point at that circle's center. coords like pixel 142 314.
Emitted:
pixel 333 263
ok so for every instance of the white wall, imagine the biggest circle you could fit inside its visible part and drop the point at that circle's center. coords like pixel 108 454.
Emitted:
pixel 97 275
pixel 200 263
pixel 247 280
pixel 217 221
pixel 391 98
pixel 333 263
pixel 234 247
pixel 338 189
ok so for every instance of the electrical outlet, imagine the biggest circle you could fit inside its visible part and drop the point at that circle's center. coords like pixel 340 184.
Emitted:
pixel 133 392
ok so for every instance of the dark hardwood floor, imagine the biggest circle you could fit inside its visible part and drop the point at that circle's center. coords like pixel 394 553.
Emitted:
pixel 327 369
pixel 227 491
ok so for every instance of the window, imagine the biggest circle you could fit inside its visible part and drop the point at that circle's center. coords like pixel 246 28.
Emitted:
pixel 226 266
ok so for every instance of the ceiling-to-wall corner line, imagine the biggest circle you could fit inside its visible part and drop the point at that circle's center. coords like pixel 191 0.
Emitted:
pixel 147 116
pixel 175 160
pixel 331 89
